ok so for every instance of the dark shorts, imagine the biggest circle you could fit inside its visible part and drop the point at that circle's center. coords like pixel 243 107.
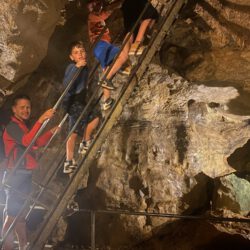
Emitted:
pixel 132 11
pixel 21 181
pixel 75 111
pixel 105 53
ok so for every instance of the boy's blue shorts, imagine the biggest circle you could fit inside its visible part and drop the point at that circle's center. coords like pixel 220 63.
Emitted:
pixel 105 53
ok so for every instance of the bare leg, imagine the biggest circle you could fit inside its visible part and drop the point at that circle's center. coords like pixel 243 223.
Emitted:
pixel 90 128
pixel 121 59
pixel 9 241
pixel 143 27
pixel 21 234
pixel 70 146
pixel 106 94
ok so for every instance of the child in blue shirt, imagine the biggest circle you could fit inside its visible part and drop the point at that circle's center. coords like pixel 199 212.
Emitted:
pixel 74 103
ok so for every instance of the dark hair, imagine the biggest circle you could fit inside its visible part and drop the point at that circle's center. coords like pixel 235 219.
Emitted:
pixel 76 44
pixel 95 5
pixel 19 97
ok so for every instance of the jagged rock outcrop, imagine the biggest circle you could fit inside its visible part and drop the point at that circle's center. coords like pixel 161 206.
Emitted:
pixel 233 194
pixel 169 151
pixel 26 27
pixel 208 35
pixel 172 140
pixel 231 199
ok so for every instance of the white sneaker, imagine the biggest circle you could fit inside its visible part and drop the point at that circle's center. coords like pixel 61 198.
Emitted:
pixel 84 146
pixel 126 71
pixel 107 104
pixel 136 49
pixel 69 167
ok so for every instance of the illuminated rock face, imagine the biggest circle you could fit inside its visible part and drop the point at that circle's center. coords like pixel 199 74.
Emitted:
pixel 26 27
pixel 169 151
pixel 171 142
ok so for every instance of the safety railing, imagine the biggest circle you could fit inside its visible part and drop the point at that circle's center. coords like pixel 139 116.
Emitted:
pixel 209 218
pixel 111 117
pixel 54 170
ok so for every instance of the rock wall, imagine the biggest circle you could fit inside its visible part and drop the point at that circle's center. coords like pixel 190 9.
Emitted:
pixel 175 148
pixel 168 154
pixel 24 34
pixel 208 35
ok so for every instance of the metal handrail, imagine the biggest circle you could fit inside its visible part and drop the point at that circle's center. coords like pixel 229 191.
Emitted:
pixel 124 43
pixel 76 172
pixel 66 90
pixel 43 187
pixel 55 133
pixel 166 215
pixel 116 57
pixel 12 170
pixel 213 219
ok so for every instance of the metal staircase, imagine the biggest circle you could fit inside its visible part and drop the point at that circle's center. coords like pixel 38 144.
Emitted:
pixel 142 64
pixel 62 200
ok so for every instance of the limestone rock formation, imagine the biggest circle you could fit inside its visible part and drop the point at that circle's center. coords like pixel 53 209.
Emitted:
pixel 171 141
pixel 207 36
pixel 233 194
pixel 169 150
pixel 26 27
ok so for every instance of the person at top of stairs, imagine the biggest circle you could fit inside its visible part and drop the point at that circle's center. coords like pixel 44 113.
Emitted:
pixel 74 103
pixel 104 50
pixel 131 11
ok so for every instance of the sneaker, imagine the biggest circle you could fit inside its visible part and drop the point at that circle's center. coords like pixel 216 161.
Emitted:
pixel 126 71
pixel 136 49
pixel 84 146
pixel 107 104
pixel 107 84
pixel 69 167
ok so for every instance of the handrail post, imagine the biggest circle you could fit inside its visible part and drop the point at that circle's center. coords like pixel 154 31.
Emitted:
pixel 92 229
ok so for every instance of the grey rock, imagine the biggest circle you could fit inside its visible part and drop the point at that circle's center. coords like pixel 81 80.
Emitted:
pixel 24 34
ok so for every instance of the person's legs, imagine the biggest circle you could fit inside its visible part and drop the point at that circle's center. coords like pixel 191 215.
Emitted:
pixel 70 146
pixel 105 52
pixel 9 241
pixel 122 58
pixel 136 48
pixel 92 123
pixel 69 164
pixel 90 128
pixel 143 27
pixel 21 232
pixel 21 181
